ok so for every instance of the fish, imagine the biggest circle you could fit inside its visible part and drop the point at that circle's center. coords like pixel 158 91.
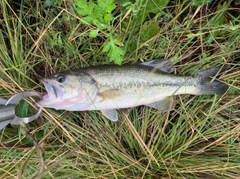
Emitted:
pixel 108 88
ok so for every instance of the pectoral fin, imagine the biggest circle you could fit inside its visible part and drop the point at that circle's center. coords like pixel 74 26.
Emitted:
pixel 166 104
pixel 110 114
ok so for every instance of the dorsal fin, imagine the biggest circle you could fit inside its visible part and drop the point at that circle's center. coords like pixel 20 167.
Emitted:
pixel 162 64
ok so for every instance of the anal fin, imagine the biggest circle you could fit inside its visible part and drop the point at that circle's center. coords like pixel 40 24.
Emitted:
pixel 110 114
pixel 166 104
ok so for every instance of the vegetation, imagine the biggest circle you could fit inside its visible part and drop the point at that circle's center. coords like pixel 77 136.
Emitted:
pixel 199 139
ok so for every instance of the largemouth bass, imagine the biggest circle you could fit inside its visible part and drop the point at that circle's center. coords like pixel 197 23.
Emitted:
pixel 110 87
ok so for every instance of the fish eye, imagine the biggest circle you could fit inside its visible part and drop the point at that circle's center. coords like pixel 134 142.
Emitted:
pixel 60 78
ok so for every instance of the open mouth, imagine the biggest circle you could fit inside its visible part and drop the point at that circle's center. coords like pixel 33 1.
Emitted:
pixel 53 91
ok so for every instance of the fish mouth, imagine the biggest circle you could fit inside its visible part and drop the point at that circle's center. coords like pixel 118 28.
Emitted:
pixel 53 91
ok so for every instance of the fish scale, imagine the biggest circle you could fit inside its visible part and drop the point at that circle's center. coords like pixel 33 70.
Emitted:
pixel 144 73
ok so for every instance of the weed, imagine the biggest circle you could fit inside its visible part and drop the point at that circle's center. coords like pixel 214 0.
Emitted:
pixel 199 139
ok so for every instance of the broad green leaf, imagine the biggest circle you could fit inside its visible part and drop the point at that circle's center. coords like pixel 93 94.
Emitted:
pixel 106 6
pixel 100 24
pixel 116 40
pixel 108 17
pixel 116 54
pixel 83 8
pixel 87 20
pixel 98 13
pixel 102 3
pixel 110 2
pixel 110 8
pixel 106 47
pixel 94 33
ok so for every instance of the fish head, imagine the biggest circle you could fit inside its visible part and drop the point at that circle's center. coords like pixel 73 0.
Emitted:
pixel 63 90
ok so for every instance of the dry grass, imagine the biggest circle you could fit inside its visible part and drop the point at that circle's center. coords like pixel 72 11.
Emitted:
pixel 199 139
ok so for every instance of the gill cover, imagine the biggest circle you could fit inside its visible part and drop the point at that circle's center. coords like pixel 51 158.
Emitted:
pixel 69 91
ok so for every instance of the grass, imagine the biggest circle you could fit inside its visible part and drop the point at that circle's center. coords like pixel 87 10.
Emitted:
pixel 199 139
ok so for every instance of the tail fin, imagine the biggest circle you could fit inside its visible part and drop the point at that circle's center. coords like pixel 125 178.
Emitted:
pixel 209 86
